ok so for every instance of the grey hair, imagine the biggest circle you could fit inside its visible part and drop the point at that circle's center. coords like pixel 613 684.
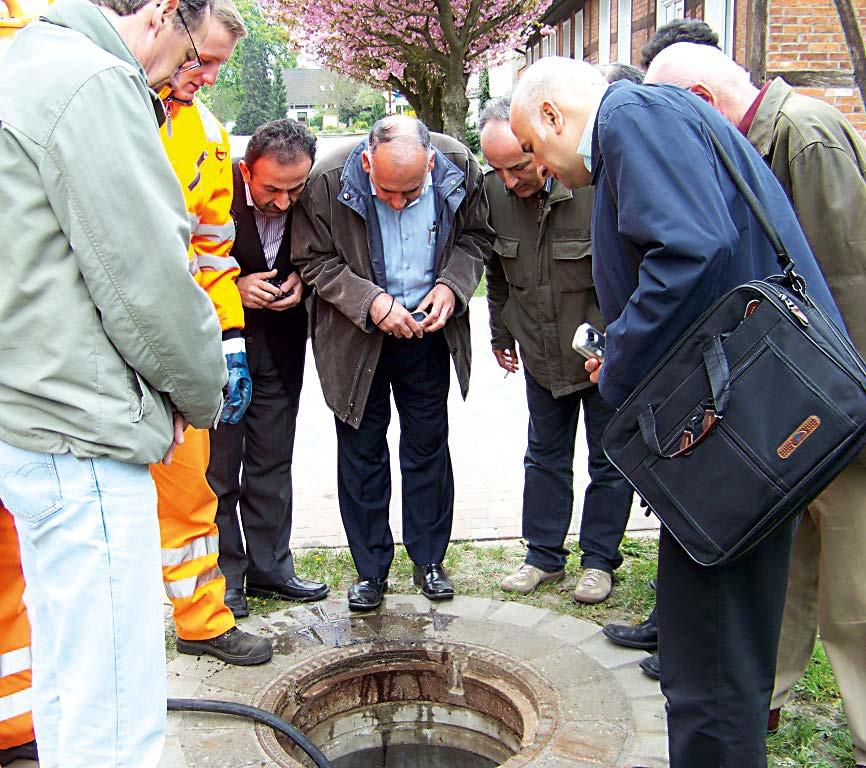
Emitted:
pixel 619 71
pixel 495 110
pixel 192 11
pixel 396 128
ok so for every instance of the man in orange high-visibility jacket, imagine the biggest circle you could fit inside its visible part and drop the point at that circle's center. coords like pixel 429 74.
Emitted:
pixel 16 722
pixel 198 148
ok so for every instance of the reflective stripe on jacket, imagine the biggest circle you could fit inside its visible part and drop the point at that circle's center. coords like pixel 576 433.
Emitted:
pixel 198 148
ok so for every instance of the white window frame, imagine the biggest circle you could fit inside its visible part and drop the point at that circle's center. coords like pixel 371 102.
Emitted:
pixel 578 35
pixel 668 10
pixel 604 31
pixel 566 38
pixel 623 31
pixel 554 42
pixel 719 14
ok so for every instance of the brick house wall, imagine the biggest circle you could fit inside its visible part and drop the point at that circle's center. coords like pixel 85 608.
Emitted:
pixel 804 39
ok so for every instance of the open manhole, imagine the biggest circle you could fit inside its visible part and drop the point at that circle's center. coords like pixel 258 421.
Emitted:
pixel 413 705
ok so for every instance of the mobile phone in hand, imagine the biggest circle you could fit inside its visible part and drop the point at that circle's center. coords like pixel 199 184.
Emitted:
pixel 419 315
pixel 589 342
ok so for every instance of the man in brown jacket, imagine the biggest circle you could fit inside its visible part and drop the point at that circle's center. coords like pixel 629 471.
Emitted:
pixel 820 161
pixel 539 290
pixel 391 234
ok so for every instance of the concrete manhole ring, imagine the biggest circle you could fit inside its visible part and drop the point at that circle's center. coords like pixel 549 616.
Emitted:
pixel 413 694
pixel 546 690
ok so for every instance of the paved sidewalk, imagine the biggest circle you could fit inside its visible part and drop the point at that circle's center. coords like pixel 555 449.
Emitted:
pixel 488 438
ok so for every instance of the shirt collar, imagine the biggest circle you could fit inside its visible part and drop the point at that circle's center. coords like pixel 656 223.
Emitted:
pixel 746 123
pixel 584 148
pixel 428 182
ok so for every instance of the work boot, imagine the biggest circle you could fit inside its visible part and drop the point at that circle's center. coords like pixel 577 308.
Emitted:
pixel 594 586
pixel 26 751
pixel 236 602
pixel 232 647
pixel 644 636
pixel 526 578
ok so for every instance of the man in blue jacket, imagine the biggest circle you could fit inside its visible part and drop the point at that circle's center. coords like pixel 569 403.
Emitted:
pixel 674 235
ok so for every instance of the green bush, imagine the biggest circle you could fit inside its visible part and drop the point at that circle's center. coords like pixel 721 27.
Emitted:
pixel 361 125
pixel 316 121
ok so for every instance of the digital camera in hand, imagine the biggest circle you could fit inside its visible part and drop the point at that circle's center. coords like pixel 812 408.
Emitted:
pixel 589 342
pixel 277 282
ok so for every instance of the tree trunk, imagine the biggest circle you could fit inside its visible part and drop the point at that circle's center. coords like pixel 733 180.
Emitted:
pixel 455 105
pixel 854 39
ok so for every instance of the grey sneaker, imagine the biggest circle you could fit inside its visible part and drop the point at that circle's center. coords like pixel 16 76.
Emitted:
pixel 594 586
pixel 526 578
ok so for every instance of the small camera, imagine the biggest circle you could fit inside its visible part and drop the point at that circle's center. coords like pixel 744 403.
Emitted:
pixel 419 316
pixel 277 282
pixel 589 342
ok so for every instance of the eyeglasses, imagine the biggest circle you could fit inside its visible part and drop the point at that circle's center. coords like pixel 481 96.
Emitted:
pixel 190 65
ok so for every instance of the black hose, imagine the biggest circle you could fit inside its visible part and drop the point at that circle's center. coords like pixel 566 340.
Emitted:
pixel 253 713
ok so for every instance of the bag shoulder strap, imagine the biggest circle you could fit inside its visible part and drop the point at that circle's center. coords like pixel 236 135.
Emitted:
pixel 785 261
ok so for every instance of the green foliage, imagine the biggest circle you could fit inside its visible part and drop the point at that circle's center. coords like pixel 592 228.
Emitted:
pixel 483 88
pixel 270 40
pixel 256 105
pixel 473 139
pixel 361 125
pixel 316 121
pixel 279 102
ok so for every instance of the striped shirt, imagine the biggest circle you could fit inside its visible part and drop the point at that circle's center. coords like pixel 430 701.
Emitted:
pixel 271 230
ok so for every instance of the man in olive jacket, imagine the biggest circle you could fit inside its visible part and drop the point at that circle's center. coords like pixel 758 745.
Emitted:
pixel 395 224
pixel 108 348
pixel 539 290
pixel 820 161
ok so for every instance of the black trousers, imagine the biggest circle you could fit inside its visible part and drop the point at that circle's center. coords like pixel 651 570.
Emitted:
pixel 417 371
pixel 548 488
pixel 718 636
pixel 261 444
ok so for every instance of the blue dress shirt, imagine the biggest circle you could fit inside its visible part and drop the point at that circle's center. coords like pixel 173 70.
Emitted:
pixel 409 245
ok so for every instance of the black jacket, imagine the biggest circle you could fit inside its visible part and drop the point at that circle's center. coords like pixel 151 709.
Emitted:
pixel 284 332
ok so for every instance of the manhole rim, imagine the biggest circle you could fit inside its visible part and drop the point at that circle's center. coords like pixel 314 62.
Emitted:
pixel 547 707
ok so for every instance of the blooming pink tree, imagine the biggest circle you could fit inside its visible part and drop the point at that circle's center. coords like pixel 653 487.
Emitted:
pixel 426 49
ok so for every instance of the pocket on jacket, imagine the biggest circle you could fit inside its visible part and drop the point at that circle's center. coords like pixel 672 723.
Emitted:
pixel 29 485
pixel 140 398
pixel 571 266
pixel 517 272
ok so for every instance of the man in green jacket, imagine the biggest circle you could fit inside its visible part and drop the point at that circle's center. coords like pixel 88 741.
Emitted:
pixel 539 290
pixel 820 161
pixel 391 233
pixel 109 349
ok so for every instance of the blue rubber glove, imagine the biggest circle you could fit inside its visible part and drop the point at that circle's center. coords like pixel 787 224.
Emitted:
pixel 239 390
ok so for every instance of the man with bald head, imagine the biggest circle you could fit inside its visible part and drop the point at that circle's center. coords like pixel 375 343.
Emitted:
pixel 539 290
pixel 391 233
pixel 671 235
pixel 820 160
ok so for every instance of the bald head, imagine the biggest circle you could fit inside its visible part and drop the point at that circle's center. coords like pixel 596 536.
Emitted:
pixel 398 158
pixel 709 74
pixel 550 108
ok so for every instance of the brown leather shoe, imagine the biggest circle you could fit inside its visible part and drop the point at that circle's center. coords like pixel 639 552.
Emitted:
pixel 773 720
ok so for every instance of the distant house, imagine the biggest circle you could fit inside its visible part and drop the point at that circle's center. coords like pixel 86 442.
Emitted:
pixel 310 92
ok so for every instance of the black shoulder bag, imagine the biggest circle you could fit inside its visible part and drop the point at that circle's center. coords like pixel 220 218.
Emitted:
pixel 748 417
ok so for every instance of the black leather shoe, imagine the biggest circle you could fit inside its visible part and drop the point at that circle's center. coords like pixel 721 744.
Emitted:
pixel 297 589
pixel 644 636
pixel 366 594
pixel 651 667
pixel 237 603
pixel 26 751
pixel 433 580
pixel 232 647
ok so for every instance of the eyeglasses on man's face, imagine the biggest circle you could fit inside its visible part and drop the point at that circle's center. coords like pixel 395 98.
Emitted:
pixel 196 63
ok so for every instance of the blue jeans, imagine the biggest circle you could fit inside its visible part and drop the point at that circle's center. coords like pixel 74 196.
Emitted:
pixel 548 489
pixel 90 553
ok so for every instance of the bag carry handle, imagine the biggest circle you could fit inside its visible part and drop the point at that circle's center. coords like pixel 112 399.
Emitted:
pixel 719 375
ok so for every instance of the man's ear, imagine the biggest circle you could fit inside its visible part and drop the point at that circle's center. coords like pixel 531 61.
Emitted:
pixel 432 161
pixel 245 172
pixel 161 13
pixel 366 161
pixel 551 116
pixel 703 92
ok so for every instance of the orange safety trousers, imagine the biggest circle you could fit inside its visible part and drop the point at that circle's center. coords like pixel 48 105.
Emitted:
pixel 190 542
pixel 16 721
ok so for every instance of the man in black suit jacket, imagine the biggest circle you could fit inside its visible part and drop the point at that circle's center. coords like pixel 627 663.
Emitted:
pixel 267 183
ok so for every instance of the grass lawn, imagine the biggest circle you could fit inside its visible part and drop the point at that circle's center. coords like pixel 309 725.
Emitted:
pixel 813 732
